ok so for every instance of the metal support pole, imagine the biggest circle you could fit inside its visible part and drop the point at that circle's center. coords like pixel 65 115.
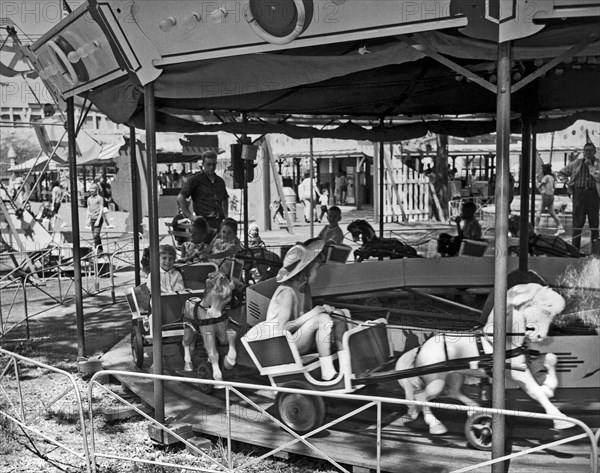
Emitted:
pixel 312 191
pixel 153 236
pixel 533 175
pixel 500 268
pixel 524 188
pixel 381 184
pixel 266 189
pixel 135 201
pixel 75 226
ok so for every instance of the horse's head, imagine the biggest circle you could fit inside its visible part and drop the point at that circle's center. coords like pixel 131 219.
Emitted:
pixel 533 308
pixel 359 228
pixel 218 291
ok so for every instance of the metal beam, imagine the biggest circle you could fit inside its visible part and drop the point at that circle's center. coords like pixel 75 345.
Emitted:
pixel 135 201
pixel 501 265
pixel 524 187
pixel 423 48
pixel 153 236
pixel 72 135
pixel 569 53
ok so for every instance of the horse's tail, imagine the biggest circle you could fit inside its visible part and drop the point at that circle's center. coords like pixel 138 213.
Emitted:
pixel 410 385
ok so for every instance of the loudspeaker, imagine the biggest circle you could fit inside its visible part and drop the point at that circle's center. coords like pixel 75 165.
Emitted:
pixel 249 152
pixel 237 165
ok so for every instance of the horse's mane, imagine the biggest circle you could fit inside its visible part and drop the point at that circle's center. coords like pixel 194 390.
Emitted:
pixel 358 225
pixel 217 285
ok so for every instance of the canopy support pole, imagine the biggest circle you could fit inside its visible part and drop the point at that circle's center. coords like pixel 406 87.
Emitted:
pixel 72 135
pixel 534 156
pixel 153 236
pixel 524 192
pixel 501 266
pixel 135 207
pixel 312 190
pixel 381 182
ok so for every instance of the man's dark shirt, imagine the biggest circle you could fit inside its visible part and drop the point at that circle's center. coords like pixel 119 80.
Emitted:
pixel 207 197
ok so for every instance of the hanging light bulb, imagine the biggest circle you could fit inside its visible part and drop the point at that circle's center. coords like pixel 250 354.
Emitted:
pixel 73 57
pixel 167 24
pixel 218 16
pixel 189 22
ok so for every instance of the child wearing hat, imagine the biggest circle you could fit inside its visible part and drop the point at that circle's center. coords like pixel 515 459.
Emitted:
pixel 289 302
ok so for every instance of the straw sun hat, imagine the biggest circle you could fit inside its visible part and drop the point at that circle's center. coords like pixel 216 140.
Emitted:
pixel 299 257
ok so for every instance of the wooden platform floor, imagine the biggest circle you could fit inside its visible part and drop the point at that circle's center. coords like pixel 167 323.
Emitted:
pixel 351 443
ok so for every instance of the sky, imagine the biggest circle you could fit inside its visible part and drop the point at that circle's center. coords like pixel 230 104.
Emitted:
pixel 31 17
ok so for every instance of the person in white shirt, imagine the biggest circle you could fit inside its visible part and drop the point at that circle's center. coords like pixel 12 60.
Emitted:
pixel 95 215
pixel 307 197
pixel 171 279
pixel 546 187
pixel 324 202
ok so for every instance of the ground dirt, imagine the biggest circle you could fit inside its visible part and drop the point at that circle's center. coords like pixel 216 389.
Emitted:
pixel 50 406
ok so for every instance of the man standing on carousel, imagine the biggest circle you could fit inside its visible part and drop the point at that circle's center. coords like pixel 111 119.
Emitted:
pixel 208 192
pixel 583 176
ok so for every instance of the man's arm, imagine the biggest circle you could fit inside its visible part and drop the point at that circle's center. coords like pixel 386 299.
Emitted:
pixel 183 205
pixel 226 206
pixel 594 169
pixel 565 172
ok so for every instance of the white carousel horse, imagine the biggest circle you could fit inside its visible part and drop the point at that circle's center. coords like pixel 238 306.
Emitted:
pixel 209 319
pixel 530 310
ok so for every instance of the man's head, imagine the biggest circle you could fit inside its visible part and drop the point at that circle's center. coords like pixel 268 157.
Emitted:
pixel 589 150
pixel 209 162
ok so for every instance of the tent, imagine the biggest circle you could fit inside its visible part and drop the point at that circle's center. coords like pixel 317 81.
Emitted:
pixel 37 164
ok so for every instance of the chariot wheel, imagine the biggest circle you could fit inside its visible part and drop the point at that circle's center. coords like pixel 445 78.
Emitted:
pixel 300 412
pixel 478 431
pixel 137 346
pixel 204 371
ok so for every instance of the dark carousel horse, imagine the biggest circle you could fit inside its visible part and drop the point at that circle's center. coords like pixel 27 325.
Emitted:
pixel 265 262
pixel 377 247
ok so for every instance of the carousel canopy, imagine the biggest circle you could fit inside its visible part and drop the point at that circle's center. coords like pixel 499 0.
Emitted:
pixel 383 78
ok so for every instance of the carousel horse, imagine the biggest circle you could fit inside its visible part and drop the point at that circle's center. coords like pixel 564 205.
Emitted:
pixel 265 262
pixel 377 247
pixel 530 308
pixel 206 316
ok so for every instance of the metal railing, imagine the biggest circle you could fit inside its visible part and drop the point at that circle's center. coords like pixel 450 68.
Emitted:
pixel 19 416
pixel 90 455
pixel 370 401
pixel 23 280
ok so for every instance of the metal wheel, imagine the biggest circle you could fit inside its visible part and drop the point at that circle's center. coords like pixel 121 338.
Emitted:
pixel 300 412
pixel 204 371
pixel 137 346
pixel 478 431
